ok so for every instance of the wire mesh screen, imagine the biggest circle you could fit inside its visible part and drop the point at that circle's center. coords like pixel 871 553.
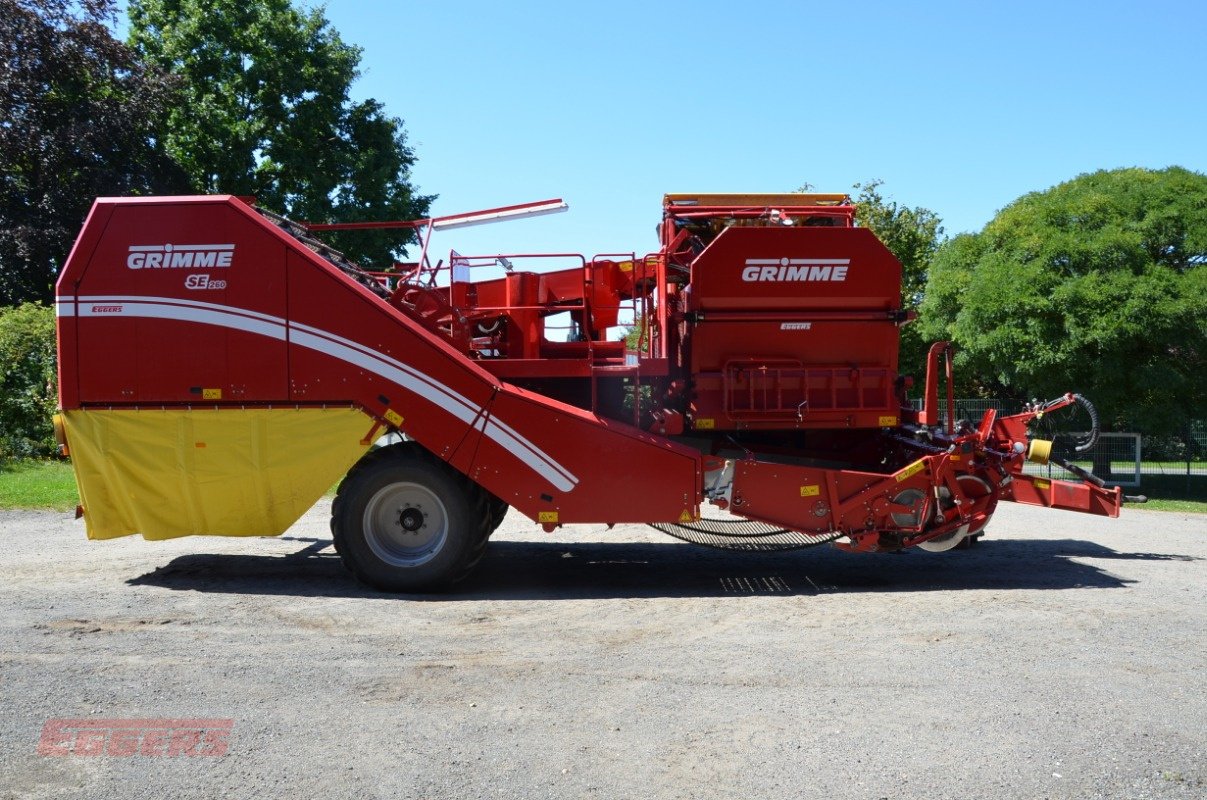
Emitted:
pixel 1115 459
pixel 1122 458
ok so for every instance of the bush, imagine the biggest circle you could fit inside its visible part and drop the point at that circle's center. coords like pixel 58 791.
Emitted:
pixel 28 392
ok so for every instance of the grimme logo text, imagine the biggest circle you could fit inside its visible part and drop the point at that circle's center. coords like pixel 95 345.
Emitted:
pixel 179 256
pixel 782 270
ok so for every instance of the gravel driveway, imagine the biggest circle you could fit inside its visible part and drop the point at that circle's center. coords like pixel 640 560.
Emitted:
pixel 1063 656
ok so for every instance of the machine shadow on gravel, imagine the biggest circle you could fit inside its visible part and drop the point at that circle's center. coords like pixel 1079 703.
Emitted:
pixel 605 570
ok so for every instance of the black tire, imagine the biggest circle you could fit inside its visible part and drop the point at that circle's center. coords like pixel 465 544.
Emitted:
pixel 404 521
pixel 496 509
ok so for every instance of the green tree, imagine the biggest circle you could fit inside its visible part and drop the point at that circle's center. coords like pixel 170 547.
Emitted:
pixel 913 235
pixel 79 117
pixel 266 112
pixel 1098 285
pixel 27 380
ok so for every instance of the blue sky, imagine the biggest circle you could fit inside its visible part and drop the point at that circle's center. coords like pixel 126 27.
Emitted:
pixel 959 107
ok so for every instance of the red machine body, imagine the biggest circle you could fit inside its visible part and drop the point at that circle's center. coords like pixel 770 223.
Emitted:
pixel 780 341
pixel 762 374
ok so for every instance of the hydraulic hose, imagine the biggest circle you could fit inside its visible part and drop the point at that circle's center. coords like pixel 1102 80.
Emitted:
pixel 1084 474
pixel 1093 435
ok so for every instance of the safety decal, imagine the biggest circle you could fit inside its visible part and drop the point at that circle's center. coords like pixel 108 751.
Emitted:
pixel 911 470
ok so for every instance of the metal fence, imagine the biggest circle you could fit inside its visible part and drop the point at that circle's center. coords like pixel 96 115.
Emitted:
pixel 1115 459
pixel 1123 458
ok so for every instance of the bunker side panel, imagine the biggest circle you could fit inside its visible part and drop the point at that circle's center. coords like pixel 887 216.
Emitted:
pixel 176 299
pixel 344 343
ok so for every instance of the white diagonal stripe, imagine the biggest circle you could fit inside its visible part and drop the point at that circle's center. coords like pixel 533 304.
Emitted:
pixel 344 350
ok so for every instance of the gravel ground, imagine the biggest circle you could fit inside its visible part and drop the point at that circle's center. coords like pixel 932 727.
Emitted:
pixel 1063 656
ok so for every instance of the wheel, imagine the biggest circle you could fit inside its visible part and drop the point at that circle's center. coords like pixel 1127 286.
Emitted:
pixel 496 509
pixel 404 521
pixel 976 489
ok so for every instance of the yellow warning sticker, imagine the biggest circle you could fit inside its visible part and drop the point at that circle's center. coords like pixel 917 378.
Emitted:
pixel 810 491
pixel 888 422
pixel 625 266
pixel 393 417
pixel 705 423
pixel 687 516
pixel 546 516
pixel 1040 483
pixel 211 394
pixel 911 470
pixel 955 457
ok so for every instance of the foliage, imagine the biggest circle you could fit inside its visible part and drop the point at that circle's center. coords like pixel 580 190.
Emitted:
pixel 1098 285
pixel 266 112
pixel 78 118
pixel 28 394
pixel 913 235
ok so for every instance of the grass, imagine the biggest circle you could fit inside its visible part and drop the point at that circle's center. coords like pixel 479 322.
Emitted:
pixel 1184 506
pixel 38 484
pixel 50 484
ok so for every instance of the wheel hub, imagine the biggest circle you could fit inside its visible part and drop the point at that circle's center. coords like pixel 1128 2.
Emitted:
pixel 411 519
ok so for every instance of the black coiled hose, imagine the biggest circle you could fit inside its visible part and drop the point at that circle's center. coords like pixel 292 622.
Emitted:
pixel 1092 439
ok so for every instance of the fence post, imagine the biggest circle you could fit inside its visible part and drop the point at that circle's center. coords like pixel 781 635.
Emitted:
pixel 1189 441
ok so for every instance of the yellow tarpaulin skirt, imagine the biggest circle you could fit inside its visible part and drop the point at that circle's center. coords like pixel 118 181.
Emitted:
pixel 226 472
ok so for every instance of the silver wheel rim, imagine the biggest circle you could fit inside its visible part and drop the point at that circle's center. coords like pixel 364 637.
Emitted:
pixel 948 541
pixel 405 524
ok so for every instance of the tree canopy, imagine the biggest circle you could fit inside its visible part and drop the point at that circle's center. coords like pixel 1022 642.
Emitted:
pixel 79 117
pixel 266 111
pixel 1098 285
pixel 913 235
pixel 28 393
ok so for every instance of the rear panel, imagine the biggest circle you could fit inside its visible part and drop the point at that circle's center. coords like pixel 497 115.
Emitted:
pixel 794 328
